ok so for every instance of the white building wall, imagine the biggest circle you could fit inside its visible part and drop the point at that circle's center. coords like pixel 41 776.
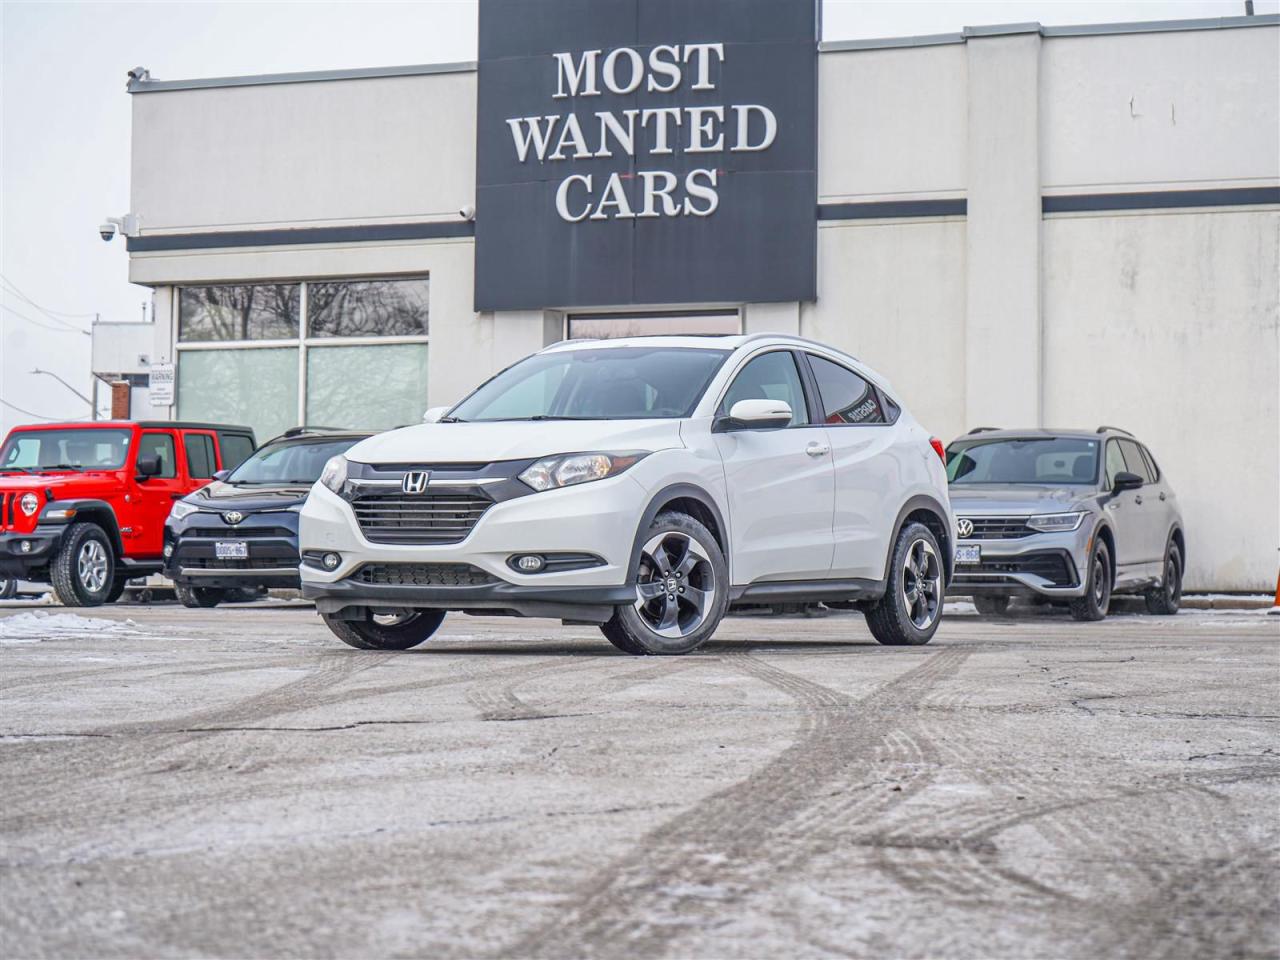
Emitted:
pixel 372 150
pixel 1166 325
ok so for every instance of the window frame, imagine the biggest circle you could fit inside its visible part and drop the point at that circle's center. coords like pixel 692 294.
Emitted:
pixel 304 341
pixel 179 453
pixel 820 414
pixel 805 392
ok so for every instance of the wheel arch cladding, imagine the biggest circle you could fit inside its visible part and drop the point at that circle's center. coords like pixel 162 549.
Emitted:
pixel 1107 536
pixel 929 512
pixel 97 512
pixel 688 499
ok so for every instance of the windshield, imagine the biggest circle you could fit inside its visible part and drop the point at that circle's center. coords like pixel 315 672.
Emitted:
pixel 291 463
pixel 31 451
pixel 614 383
pixel 1044 460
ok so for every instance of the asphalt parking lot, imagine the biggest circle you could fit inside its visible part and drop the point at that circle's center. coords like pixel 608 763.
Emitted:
pixel 236 782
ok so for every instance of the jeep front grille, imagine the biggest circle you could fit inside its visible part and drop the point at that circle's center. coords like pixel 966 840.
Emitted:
pixel 423 574
pixel 431 518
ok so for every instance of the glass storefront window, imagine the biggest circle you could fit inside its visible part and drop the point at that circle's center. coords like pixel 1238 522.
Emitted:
pixel 255 387
pixel 368 308
pixel 258 311
pixel 367 387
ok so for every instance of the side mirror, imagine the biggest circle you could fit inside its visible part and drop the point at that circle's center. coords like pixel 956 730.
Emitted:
pixel 756 415
pixel 1124 480
pixel 148 467
pixel 434 414
pixel 222 475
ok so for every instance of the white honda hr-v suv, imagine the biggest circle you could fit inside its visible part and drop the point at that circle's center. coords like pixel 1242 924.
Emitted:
pixel 644 485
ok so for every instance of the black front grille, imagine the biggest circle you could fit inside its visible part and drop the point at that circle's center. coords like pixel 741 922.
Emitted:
pixel 251 563
pixel 423 574
pixel 998 528
pixel 1054 566
pixel 429 518
pixel 239 533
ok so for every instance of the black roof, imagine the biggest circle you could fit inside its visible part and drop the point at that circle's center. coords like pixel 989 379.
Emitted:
pixel 150 424
pixel 316 436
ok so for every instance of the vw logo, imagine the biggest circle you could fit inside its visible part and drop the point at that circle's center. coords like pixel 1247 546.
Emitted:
pixel 415 481
pixel 964 527
pixel 233 517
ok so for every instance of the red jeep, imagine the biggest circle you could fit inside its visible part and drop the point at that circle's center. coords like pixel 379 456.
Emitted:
pixel 83 505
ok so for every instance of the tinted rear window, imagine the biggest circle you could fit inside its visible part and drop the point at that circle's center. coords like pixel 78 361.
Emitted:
pixel 236 448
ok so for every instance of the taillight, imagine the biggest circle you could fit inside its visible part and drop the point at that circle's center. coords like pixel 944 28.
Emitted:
pixel 938 449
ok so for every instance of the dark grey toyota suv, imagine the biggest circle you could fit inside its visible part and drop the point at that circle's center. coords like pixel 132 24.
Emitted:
pixel 1067 516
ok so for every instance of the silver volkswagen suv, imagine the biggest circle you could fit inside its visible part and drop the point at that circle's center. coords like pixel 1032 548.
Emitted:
pixel 1070 516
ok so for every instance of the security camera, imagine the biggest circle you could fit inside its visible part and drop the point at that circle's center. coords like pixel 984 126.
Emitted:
pixel 107 231
pixel 468 212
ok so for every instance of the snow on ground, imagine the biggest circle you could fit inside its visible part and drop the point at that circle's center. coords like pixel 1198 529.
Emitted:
pixel 37 626
pixel 44 600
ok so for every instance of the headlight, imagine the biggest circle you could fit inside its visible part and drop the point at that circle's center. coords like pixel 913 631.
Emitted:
pixel 1055 522
pixel 182 509
pixel 30 503
pixel 334 474
pixel 574 468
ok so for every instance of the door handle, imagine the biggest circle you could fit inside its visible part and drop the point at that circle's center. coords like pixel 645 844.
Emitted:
pixel 1138 499
pixel 1163 496
pixel 815 449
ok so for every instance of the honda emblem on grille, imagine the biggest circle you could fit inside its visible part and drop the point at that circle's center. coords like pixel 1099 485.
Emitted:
pixel 415 481
pixel 233 517
pixel 964 527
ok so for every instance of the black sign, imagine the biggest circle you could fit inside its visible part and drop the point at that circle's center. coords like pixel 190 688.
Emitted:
pixel 645 152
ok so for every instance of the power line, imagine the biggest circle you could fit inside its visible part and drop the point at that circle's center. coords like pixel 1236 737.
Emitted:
pixel 46 326
pixel 53 314
pixel 38 416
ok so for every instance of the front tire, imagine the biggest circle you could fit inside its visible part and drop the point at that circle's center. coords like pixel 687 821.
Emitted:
pixel 83 572
pixel 197 598
pixel 397 630
pixel 682 591
pixel 8 588
pixel 1097 594
pixel 1165 600
pixel 909 612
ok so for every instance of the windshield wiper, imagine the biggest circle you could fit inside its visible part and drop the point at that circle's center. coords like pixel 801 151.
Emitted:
pixel 17 469
pixel 62 466
pixel 451 420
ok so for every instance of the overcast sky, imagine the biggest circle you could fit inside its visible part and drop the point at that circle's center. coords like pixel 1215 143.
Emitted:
pixel 64 139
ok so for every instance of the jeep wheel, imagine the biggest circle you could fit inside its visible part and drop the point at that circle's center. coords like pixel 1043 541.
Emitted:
pixel 389 630
pixel 992 606
pixel 8 588
pixel 911 608
pixel 83 572
pixel 682 591
pixel 117 589
pixel 1097 594
pixel 198 597
pixel 1165 599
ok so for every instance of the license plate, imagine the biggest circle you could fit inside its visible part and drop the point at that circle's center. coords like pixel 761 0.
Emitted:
pixel 971 553
pixel 231 550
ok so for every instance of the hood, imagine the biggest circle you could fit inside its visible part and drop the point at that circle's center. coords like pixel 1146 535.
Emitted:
pixel 1017 499
pixel 65 484
pixel 229 496
pixel 513 440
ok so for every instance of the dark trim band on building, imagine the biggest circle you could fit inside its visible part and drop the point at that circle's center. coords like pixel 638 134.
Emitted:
pixel 1161 199
pixel 883 209
pixel 436 230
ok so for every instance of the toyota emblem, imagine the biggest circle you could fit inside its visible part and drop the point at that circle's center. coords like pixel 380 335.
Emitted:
pixel 964 527
pixel 233 517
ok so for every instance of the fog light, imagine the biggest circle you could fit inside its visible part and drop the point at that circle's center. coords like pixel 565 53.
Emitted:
pixel 530 563
pixel 168 549
pixel 26 546
pixel 331 561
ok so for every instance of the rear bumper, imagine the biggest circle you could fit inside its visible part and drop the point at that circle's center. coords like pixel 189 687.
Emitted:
pixel 22 554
